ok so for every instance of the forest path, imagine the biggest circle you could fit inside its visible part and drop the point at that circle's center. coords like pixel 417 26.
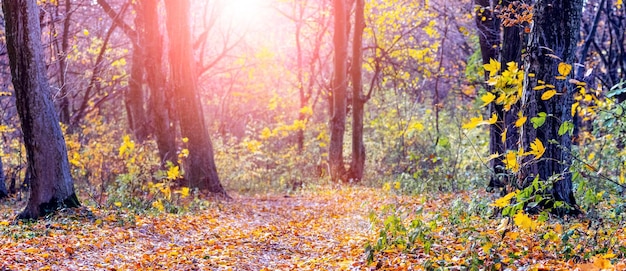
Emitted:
pixel 317 230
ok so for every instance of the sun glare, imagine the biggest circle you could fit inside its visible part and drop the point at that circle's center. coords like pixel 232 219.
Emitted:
pixel 245 12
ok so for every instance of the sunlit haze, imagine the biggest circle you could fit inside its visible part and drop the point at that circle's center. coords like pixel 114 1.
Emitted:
pixel 245 13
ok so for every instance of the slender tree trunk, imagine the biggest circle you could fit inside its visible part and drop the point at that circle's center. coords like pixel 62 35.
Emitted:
pixel 357 165
pixel 555 32
pixel 200 169
pixel 3 186
pixel 159 108
pixel 51 183
pixel 338 94
pixel 298 11
pixel 64 105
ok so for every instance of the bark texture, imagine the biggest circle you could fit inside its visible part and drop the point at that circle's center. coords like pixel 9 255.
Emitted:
pixel 134 96
pixel 159 107
pixel 339 89
pixel 200 169
pixel 51 183
pixel 555 32
pixel 357 164
pixel 489 38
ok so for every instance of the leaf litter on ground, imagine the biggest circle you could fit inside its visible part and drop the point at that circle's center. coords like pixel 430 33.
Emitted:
pixel 323 229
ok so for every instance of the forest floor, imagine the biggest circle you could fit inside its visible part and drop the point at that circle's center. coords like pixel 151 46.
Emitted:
pixel 320 229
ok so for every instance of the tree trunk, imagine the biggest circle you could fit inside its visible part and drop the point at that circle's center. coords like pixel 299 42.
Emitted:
pixel 357 164
pixel 511 52
pixel 134 96
pixel 489 39
pixel 51 183
pixel 64 105
pixel 200 169
pixel 555 32
pixel 3 186
pixel 338 94
pixel 159 108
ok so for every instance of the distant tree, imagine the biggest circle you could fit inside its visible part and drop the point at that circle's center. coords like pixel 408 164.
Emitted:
pixel 147 67
pixel 310 24
pixel 552 42
pixel 3 186
pixel 200 169
pixel 51 185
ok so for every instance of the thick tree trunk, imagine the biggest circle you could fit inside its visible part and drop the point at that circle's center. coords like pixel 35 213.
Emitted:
pixel 338 94
pixel 555 32
pixel 511 52
pixel 489 39
pixel 159 108
pixel 51 183
pixel 200 169
pixel 357 165
pixel 134 97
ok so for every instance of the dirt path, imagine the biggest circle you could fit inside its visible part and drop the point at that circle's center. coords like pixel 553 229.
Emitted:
pixel 326 230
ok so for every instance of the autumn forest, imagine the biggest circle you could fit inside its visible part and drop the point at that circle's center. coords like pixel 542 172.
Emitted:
pixel 312 135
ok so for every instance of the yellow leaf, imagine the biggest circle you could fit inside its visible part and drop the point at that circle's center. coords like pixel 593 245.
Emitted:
pixel 158 205
pixel 118 204
pixel 574 108
pixel 504 201
pixel 548 94
pixel 4 223
pixel 558 228
pixel 487 98
pixel 416 126
pixel 85 32
pixel 173 173
pixel 609 256
pixel 520 120
pixel 493 119
pixel 479 121
pixel 396 185
pixel 486 247
pixel 185 139
pixel 602 263
pixel 184 192
pixel 493 67
pixel 307 110
pixel 540 87
pixel 510 161
pixel 513 235
pixel 564 68
pixel 31 250
pixel 473 122
pixel 537 148
pixel 524 221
